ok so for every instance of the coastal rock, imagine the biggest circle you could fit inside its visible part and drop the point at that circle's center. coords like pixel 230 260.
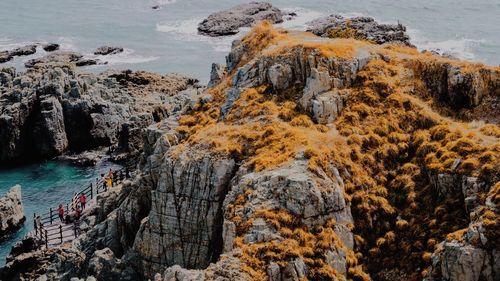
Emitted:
pixel 217 72
pixel 24 51
pixel 58 58
pixel 5 56
pixel 359 28
pixel 108 50
pixel 63 110
pixel 186 212
pixel 11 211
pixel 229 22
pixel 50 47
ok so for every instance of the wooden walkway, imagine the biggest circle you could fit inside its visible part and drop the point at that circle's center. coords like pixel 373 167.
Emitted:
pixel 54 232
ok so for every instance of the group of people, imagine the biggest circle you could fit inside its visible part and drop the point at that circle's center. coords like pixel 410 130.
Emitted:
pixel 113 177
pixel 79 202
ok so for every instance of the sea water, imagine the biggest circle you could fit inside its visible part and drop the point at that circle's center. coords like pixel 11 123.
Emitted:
pixel 43 186
pixel 166 40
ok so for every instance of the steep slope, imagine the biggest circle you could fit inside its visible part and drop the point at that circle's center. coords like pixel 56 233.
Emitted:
pixel 325 128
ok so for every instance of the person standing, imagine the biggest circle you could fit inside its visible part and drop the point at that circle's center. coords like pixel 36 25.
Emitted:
pixel 78 213
pixel 60 211
pixel 83 200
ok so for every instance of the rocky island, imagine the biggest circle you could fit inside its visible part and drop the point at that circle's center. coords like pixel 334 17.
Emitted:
pixel 341 154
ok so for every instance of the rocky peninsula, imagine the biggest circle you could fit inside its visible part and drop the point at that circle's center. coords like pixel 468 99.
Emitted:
pixel 344 156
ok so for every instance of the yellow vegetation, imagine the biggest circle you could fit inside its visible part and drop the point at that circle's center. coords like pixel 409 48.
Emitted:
pixel 390 142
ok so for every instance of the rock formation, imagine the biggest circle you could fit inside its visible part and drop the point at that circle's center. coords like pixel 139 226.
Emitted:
pixel 308 158
pixel 50 47
pixel 229 22
pixel 107 50
pixel 11 211
pixel 336 26
pixel 49 110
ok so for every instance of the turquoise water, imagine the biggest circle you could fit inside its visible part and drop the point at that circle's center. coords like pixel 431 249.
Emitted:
pixel 166 40
pixel 43 186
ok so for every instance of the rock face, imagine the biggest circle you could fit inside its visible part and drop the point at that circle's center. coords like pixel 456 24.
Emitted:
pixel 62 110
pixel 186 213
pixel 229 21
pixel 107 50
pixel 11 211
pixel 360 28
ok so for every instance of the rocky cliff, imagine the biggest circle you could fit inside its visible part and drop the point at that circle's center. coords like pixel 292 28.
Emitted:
pixel 309 158
pixel 11 211
pixel 52 109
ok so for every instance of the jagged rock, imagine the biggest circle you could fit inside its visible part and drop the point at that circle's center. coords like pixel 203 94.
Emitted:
pixel 364 27
pixel 227 268
pixel 11 211
pixel 63 110
pixel 104 265
pixel 229 21
pixel 84 159
pixel 86 62
pixel 5 56
pixel 462 262
pixel 26 245
pixel 50 47
pixel 24 51
pixel 186 213
pixel 108 50
pixel 60 58
pixel 217 72
pixel 50 131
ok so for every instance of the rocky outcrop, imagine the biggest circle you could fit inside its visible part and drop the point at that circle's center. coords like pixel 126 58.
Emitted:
pixel 360 28
pixel 63 110
pixel 108 50
pixel 11 211
pixel 186 212
pixel 27 50
pixel 50 47
pixel 229 22
pixel 57 58
pixel 24 51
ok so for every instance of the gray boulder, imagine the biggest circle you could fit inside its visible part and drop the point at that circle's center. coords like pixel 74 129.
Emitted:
pixel 11 211
pixel 108 50
pixel 229 22
pixel 364 28
pixel 50 47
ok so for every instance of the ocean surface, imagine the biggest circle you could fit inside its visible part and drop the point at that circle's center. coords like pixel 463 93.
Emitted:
pixel 166 40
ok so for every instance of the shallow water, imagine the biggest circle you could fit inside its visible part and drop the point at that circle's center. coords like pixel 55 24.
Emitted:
pixel 44 185
pixel 166 40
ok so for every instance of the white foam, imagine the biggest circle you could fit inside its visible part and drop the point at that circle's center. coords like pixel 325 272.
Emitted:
pixel 128 56
pixel 300 22
pixel 164 2
pixel 462 48
pixel 187 30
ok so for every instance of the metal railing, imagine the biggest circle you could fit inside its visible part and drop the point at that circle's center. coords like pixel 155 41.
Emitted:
pixel 49 233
